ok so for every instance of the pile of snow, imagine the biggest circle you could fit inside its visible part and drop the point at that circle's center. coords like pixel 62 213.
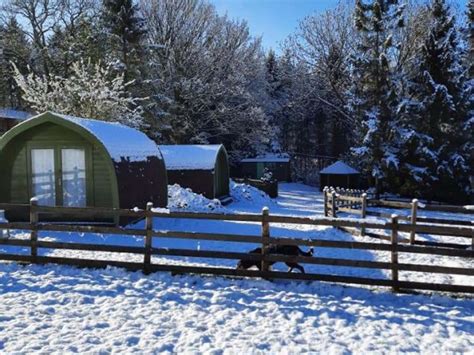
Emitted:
pixel 247 193
pixel 180 198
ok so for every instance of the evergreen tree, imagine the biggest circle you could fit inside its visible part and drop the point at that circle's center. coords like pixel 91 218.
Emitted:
pixel 281 91
pixel 372 98
pixel 277 89
pixel 208 78
pixel 434 115
pixel 15 48
pixel 339 128
pixel 125 29
pixel 469 126
pixel 470 35
pixel 273 80
pixel 76 41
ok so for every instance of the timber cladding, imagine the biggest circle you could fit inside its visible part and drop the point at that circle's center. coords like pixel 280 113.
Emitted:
pixel 6 124
pixel 200 181
pixel 102 180
pixel 202 168
pixel 141 182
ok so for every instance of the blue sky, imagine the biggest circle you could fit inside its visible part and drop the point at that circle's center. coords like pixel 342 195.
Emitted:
pixel 274 20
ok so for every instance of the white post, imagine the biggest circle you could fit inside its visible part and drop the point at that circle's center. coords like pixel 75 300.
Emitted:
pixel 363 213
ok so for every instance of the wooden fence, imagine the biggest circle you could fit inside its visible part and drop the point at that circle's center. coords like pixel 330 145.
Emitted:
pixel 265 219
pixel 357 202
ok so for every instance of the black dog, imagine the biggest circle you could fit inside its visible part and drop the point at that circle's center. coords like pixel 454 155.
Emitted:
pixel 276 249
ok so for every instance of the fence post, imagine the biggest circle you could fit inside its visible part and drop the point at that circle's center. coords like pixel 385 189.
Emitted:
pixel 148 237
pixel 326 201
pixel 34 228
pixel 394 241
pixel 265 237
pixel 333 203
pixel 363 212
pixel 414 208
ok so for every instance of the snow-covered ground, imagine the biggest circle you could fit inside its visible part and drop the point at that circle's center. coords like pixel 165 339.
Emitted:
pixel 64 309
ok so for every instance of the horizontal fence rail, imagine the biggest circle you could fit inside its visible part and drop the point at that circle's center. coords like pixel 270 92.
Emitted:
pixel 343 200
pixel 263 259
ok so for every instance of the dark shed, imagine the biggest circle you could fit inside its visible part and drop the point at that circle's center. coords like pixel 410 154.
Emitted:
pixel 339 174
pixel 278 164
pixel 202 168
pixel 77 162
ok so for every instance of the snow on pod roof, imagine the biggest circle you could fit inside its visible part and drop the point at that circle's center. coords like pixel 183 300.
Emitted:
pixel 119 140
pixel 14 114
pixel 190 156
pixel 339 167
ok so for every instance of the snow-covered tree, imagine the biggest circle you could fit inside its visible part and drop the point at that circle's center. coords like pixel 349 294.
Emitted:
pixel 469 126
pixel 14 47
pixel 277 87
pixel 38 18
pixel 435 139
pixel 373 96
pixel 470 35
pixel 78 36
pixel 90 91
pixel 125 30
pixel 208 77
pixel 322 44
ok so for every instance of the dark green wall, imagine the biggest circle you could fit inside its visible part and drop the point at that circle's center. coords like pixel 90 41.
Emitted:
pixel 14 164
pixel 254 170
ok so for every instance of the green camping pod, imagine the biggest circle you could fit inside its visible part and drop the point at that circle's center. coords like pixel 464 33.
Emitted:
pixel 76 162
pixel 277 164
pixel 202 168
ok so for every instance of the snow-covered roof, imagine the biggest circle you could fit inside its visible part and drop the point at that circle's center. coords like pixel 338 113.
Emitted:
pixel 340 168
pixel 190 156
pixel 119 140
pixel 268 158
pixel 12 114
